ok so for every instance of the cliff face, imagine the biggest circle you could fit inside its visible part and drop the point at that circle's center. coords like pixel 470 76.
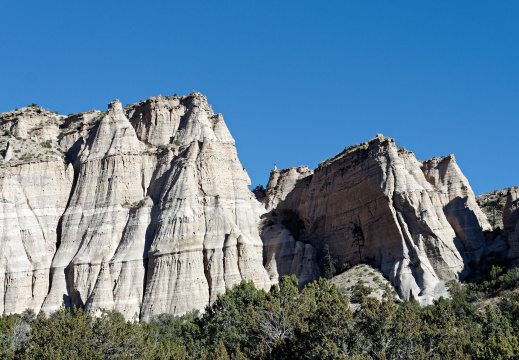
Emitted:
pixel 154 214
pixel 492 204
pixel 511 220
pixel 419 221
pixel 146 209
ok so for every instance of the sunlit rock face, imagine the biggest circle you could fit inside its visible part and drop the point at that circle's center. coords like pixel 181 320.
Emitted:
pixel 33 199
pixel 145 209
pixel 418 221
pixel 154 214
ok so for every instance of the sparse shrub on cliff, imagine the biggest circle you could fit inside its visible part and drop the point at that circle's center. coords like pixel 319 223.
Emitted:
pixel 259 188
pixel 346 266
pixel 328 269
pixel 46 144
pixel 414 263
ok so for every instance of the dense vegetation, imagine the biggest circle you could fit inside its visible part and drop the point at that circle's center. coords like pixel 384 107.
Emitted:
pixel 285 323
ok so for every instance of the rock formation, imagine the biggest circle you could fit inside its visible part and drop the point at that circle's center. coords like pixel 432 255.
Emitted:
pixel 8 152
pixel 511 220
pixel 146 209
pixel 153 214
pixel 418 221
pixel 492 204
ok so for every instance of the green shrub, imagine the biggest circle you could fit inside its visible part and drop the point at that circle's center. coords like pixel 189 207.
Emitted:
pixel 177 143
pixel 359 291
pixel 259 188
pixel 47 144
pixel 345 266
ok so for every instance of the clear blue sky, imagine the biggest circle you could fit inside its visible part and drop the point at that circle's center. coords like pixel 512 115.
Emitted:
pixel 297 81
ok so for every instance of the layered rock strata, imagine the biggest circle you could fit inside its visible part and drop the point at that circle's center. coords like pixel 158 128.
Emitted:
pixel 33 199
pixel 418 221
pixel 146 209
pixel 153 214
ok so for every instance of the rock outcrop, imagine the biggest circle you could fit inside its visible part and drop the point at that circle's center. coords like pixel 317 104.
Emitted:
pixel 8 152
pixel 153 214
pixel 33 199
pixel 146 209
pixel 492 204
pixel 511 220
pixel 418 221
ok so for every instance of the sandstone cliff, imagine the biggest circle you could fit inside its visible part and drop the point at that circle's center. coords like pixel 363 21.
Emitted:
pixel 418 221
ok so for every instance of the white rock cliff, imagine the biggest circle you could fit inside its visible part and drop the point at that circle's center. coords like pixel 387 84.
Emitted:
pixel 418 221
pixel 146 209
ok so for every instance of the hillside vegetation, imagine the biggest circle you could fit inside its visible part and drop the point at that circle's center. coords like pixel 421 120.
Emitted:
pixel 285 323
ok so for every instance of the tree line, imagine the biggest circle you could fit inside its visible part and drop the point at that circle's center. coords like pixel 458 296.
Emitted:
pixel 316 322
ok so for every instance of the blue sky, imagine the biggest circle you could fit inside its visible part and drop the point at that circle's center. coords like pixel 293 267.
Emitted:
pixel 297 81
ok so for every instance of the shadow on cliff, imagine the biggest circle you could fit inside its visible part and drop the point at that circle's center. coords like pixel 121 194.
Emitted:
pixel 321 230
pixel 470 242
pixel 160 180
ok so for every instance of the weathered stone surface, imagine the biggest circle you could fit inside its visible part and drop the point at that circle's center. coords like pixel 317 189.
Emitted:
pixel 8 152
pixel 492 204
pixel 146 209
pixel 175 223
pixel 31 121
pixel 419 221
pixel 33 198
pixel 286 256
pixel 511 220
pixel 101 296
